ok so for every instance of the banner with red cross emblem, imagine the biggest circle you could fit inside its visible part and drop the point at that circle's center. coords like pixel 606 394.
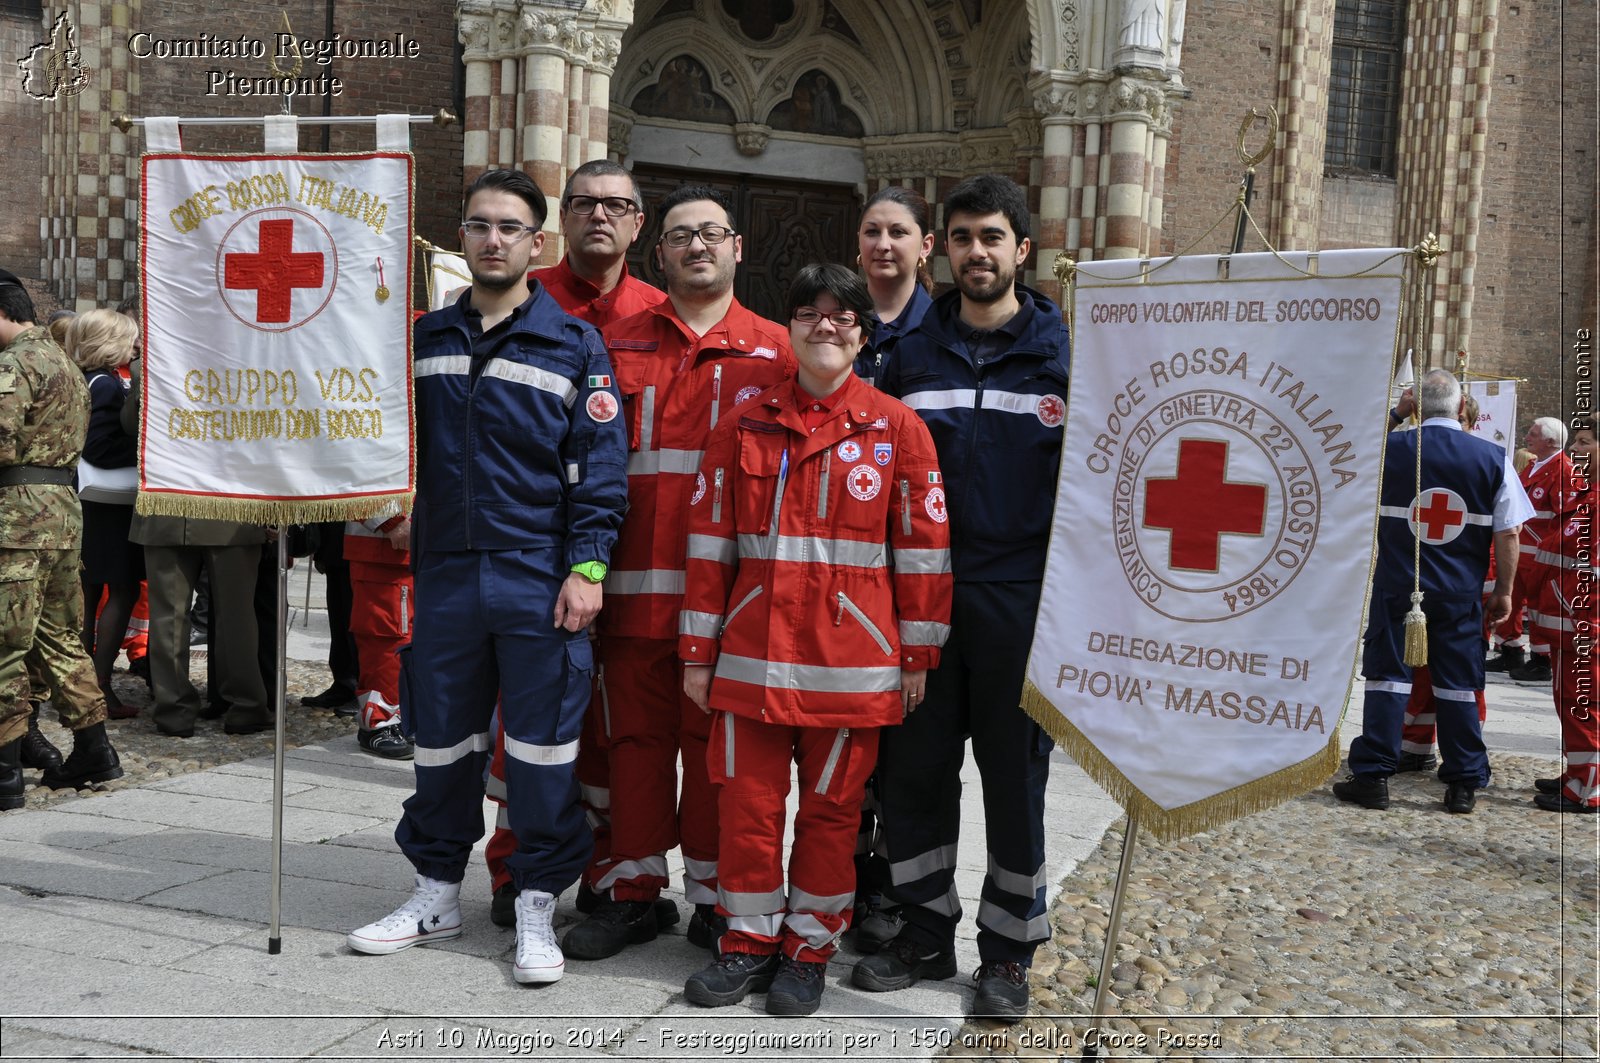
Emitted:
pixel 277 336
pixel 1215 524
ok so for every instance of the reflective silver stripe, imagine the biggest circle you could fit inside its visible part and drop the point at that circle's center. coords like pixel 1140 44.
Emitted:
pixel 805 549
pixel 572 472
pixel 923 633
pixel 1583 758
pixel 647 419
pixel 699 625
pixel 1553 621
pixel 1555 560
pixel 755 592
pixel 1024 886
pixel 405 609
pixel 605 702
pixel 651 866
pixel 494 789
pixel 1404 513
pixel 948 906
pixel 811 930
pixel 650 462
pixel 716 500
pixel 832 762
pixel 955 399
pixel 646 581
pixel 905 507
pixel 1542 514
pixel 822 494
pixel 530 753
pixel 713 548
pixel 751 903
pixel 814 677
pixel 1012 402
pixel 502 819
pixel 905 872
pixel 727 744
pixel 427 757
pixel 716 392
pixel 1455 695
pixel 766 926
pixel 1376 686
pixel 800 900
pixel 922 562
pixel 534 377
pixel 449 365
pixel 596 797
pixel 994 918
pixel 699 870
pixel 871 628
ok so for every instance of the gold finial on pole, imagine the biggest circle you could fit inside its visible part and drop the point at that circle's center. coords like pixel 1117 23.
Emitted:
pixel 1428 251
pixel 1252 159
pixel 1065 269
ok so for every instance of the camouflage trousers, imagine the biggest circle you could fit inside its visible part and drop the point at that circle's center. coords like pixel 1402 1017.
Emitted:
pixel 41 620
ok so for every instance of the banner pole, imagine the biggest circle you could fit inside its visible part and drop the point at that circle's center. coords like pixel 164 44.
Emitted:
pixel 280 728
pixel 1108 955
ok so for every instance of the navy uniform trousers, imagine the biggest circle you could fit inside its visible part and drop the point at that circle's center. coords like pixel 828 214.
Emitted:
pixel 484 630
pixel 1455 662
pixel 976 691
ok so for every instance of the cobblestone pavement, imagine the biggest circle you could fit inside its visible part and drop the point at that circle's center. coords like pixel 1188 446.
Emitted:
pixel 1322 931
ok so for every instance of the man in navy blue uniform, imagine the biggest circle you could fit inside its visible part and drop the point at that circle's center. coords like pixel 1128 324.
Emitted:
pixel 1468 496
pixel 987 371
pixel 521 488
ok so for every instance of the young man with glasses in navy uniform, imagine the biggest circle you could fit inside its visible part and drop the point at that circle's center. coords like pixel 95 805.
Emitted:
pixel 601 216
pixel 681 366
pixel 521 487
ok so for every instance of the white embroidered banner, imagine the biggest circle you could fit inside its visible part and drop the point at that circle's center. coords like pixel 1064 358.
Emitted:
pixel 277 324
pixel 1208 569
pixel 1497 412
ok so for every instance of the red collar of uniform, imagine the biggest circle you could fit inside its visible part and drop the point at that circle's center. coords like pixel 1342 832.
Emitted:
pixel 563 274
pixel 736 330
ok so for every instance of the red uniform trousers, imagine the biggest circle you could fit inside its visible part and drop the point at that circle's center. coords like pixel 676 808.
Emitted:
pixel 1577 691
pixel 381 607
pixel 750 765
pixel 648 722
pixel 1524 596
pixel 1417 732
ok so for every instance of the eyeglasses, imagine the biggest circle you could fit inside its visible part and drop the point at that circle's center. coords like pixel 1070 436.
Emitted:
pixel 710 235
pixel 510 231
pixel 810 315
pixel 616 206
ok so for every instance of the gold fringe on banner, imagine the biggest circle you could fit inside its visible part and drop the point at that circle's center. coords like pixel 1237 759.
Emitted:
pixel 271 511
pixel 1168 825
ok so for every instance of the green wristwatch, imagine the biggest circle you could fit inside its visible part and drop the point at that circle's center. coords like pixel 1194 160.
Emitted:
pixel 593 571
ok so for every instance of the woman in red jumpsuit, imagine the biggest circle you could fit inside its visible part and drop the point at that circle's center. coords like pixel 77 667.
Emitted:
pixel 818 595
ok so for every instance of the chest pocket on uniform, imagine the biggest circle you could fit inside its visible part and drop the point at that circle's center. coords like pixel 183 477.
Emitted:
pixel 760 489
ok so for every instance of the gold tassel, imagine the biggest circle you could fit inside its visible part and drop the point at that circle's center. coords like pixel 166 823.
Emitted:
pixel 271 511
pixel 1416 633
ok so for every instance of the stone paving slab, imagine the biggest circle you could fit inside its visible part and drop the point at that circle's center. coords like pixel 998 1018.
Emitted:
pixel 227 815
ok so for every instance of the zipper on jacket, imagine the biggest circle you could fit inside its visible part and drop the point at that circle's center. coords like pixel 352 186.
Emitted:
pixel 716 392
pixel 727 744
pixel 716 499
pixel 777 502
pixel 755 592
pixel 833 760
pixel 847 606
pixel 822 495
pixel 605 698
pixel 905 507
pixel 405 610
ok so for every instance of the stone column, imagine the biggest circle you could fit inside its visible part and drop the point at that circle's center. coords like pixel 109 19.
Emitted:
pixel 1306 50
pixel 475 29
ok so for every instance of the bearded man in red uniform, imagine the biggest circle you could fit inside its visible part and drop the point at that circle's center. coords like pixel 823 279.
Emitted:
pixel 681 367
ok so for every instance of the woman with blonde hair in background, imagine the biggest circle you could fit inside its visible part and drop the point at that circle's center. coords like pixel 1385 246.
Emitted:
pixel 100 341
pixel 896 238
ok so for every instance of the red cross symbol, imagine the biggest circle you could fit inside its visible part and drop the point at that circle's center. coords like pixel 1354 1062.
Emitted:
pixel 1199 505
pixel 274 271
pixel 934 503
pixel 865 483
pixel 1438 516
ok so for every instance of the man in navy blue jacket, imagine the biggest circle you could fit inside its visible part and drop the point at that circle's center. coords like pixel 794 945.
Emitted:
pixel 987 371
pixel 521 487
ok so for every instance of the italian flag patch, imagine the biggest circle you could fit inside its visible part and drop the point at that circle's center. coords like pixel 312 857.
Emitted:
pixel 933 478
pixel 599 382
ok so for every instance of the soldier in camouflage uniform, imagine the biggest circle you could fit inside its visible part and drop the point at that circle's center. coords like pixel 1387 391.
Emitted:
pixel 44 414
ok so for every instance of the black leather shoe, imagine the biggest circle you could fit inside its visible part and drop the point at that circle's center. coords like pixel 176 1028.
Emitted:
pixel 1416 762
pixel 706 927
pixel 38 752
pixel 1509 657
pixel 246 727
pixel 331 698
pixel 1459 798
pixel 92 760
pixel 139 668
pixel 1002 992
pixel 901 965
pixel 1547 786
pixel 1537 670
pixel 876 924
pixel 503 909
pixel 1368 791
pixel 797 988
pixel 11 784
pixel 175 732
pixel 613 927
pixel 731 978
pixel 386 741
pixel 1562 803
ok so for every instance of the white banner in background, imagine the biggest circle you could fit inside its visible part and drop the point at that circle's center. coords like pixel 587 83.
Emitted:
pixel 277 291
pixel 1214 528
pixel 1497 412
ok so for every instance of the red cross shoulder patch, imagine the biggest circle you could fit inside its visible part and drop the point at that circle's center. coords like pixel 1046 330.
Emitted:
pixel 864 482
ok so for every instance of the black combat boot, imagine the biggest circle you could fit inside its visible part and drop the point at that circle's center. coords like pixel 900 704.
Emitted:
pixel 11 776
pixel 92 760
pixel 38 752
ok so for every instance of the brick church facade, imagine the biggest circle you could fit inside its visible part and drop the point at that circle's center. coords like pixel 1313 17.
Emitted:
pixel 1473 119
